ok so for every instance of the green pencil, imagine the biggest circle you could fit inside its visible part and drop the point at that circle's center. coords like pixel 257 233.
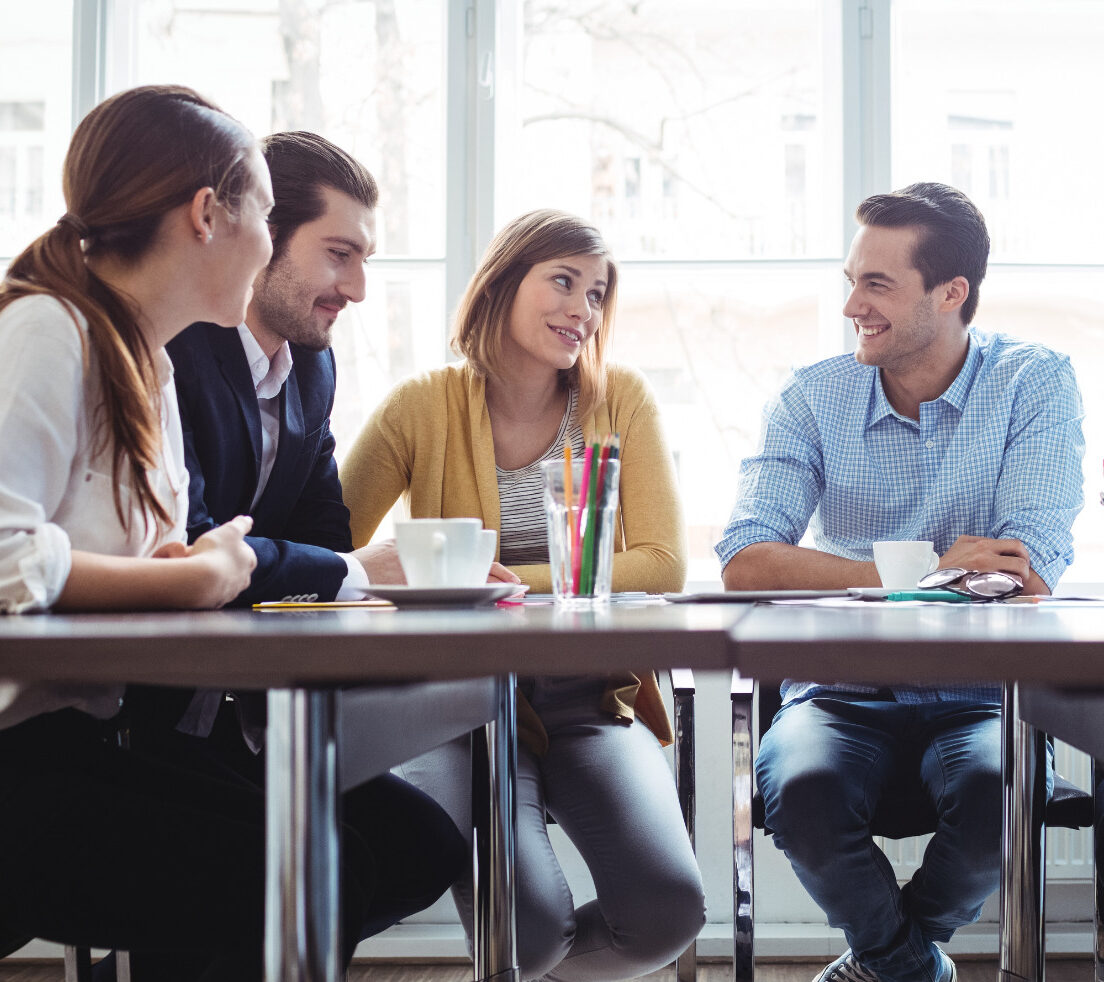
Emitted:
pixel 586 579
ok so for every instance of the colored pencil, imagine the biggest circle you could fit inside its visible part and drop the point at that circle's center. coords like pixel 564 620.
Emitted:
pixel 587 578
pixel 602 478
pixel 566 560
pixel 576 551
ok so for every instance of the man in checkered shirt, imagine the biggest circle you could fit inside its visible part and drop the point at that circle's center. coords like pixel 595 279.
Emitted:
pixel 932 430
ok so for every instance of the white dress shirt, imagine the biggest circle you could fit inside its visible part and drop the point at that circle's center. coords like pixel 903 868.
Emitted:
pixel 56 484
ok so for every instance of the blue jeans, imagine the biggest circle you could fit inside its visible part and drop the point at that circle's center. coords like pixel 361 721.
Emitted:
pixel 822 768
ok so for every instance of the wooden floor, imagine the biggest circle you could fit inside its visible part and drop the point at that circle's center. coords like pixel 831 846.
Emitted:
pixel 969 970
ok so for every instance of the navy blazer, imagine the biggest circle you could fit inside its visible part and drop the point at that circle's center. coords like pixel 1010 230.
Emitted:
pixel 300 521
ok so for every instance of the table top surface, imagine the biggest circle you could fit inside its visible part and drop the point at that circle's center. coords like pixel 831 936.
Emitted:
pixel 875 642
pixel 244 648
pixel 887 642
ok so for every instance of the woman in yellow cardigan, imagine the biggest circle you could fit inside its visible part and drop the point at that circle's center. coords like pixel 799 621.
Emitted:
pixel 468 440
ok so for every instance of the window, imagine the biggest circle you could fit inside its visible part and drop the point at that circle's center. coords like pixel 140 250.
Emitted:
pixel 35 101
pixel 368 76
pixel 996 107
pixel 721 146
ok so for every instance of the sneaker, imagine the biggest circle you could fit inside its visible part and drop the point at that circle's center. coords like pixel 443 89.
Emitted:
pixel 847 968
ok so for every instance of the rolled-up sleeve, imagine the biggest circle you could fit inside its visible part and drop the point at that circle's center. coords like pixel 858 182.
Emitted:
pixel 779 486
pixel 41 377
pixel 1039 493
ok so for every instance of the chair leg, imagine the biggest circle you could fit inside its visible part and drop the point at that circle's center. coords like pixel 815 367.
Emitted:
pixel 78 964
pixel 743 871
pixel 1098 873
pixel 682 686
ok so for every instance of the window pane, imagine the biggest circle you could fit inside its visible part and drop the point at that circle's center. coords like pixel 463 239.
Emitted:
pixel 683 128
pixel 1061 309
pixel 395 331
pixel 990 96
pixel 716 343
pixel 369 76
pixel 36 50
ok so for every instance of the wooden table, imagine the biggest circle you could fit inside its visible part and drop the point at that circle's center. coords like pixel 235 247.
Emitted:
pixel 301 657
pixel 887 643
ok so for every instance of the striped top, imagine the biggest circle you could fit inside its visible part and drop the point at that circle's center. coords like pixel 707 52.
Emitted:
pixel 523 537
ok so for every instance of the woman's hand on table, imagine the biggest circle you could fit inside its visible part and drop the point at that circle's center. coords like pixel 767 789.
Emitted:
pixel 501 574
pixel 226 561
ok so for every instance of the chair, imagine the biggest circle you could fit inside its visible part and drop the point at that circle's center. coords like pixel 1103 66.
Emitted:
pixel 899 816
pixel 682 687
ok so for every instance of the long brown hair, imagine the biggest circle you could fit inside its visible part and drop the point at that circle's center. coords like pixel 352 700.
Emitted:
pixel 133 158
pixel 483 315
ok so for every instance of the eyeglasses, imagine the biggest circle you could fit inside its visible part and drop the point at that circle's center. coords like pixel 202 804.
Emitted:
pixel 972 584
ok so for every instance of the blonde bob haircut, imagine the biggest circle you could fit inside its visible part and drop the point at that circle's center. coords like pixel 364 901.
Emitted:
pixel 483 316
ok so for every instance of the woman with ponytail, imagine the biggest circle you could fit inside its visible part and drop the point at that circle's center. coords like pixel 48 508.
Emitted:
pixel 167 199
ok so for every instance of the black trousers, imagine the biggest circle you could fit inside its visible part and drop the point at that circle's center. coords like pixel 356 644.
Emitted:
pixel 159 848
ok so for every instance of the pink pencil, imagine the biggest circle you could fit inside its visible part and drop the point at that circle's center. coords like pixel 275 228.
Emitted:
pixel 576 551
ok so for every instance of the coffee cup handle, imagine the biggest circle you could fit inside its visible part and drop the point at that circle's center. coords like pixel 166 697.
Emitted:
pixel 440 558
pixel 933 564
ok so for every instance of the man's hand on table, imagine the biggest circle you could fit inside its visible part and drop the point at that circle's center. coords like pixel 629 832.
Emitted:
pixel 381 562
pixel 1002 555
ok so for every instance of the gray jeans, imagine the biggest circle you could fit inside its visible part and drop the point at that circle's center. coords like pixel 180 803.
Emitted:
pixel 610 789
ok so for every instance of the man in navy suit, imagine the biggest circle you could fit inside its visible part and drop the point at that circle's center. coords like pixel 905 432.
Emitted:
pixel 255 404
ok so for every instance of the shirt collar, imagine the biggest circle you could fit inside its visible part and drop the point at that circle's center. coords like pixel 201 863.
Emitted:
pixel 269 376
pixel 955 395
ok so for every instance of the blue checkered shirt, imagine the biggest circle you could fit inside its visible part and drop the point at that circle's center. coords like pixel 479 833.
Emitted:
pixel 996 455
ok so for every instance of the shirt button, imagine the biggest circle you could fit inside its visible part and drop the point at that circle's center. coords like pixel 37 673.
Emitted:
pixel 929 444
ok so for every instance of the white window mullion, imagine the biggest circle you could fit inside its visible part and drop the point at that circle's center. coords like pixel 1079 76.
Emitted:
pixel 867 136
pixel 90 30
pixel 460 195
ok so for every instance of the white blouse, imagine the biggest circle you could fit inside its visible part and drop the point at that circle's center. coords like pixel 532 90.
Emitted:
pixel 56 488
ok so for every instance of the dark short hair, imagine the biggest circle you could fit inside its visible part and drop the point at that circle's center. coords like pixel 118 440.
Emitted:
pixel 301 164
pixel 952 238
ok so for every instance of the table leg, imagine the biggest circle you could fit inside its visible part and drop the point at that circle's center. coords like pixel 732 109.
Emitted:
pixel 1023 843
pixel 494 815
pixel 302 902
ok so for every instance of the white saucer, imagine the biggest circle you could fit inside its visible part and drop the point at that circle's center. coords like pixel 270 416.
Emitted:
pixel 870 592
pixel 445 596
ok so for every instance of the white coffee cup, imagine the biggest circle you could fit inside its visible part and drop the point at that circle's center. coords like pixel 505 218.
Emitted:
pixel 901 563
pixel 443 552
pixel 484 556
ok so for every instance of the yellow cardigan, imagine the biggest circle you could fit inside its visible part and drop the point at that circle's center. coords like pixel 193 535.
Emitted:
pixel 430 442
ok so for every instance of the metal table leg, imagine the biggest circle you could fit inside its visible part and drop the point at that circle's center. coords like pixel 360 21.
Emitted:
pixel 494 815
pixel 1023 841
pixel 302 900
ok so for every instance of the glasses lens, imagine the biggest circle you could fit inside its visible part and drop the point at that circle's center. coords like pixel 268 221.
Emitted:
pixel 941 577
pixel 993 586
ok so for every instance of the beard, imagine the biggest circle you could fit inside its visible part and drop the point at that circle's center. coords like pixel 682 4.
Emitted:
pixel 286 304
